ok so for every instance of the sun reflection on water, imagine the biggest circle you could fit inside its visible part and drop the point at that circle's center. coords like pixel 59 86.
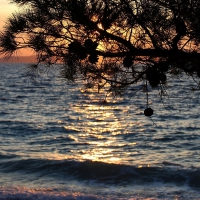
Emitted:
pixel 96 128
pixel 99 125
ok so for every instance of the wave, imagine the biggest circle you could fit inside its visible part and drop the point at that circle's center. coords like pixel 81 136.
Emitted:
pixel 8 156
pixel 104 172
pixel 46 194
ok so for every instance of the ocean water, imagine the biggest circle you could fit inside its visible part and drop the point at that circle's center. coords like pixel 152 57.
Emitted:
pixel 60 141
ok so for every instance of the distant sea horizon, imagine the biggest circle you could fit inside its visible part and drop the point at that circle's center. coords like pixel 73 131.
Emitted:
pixel 18 59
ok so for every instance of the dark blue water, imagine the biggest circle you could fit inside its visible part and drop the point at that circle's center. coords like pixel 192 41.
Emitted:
pixel 60 141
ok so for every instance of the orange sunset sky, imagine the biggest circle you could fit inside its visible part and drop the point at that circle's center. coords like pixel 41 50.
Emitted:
pixel 6 9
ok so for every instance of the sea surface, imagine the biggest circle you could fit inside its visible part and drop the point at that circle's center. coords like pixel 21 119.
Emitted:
pixel 60 141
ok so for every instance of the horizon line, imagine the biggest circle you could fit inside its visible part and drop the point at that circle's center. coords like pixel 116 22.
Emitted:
pixel 18 59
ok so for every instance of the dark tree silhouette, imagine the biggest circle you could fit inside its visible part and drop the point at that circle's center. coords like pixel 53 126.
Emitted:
pixel 109 42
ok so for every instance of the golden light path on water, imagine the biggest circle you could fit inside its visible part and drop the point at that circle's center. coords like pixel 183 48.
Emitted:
pixel 97 127
pixel 100 125
pixel 101 122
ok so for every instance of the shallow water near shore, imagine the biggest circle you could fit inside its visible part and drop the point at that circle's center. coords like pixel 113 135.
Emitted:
pixel 59 141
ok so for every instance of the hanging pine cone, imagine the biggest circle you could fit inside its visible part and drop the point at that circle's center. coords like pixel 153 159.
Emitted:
pixel 152 76
pixel 162 77
pixel 81 53
pixel 148 112
pixel 90 45
pixel 77 49
pixel 73 47
pixel 164 68
pixel 128 61
pixel 198 73
pixel 93 58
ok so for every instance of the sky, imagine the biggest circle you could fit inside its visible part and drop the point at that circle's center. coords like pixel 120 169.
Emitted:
pixel 6 10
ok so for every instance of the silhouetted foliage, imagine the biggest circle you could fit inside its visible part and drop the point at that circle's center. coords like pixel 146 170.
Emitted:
pixel 109 42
